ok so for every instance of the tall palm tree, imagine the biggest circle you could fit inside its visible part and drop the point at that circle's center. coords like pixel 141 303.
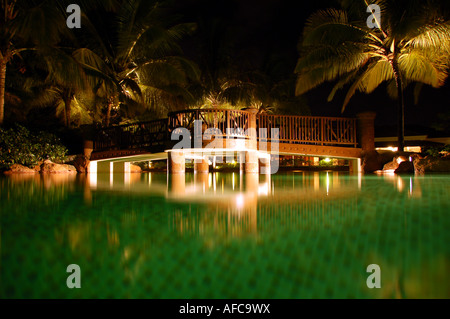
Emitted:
pixel 40 26
pixel 411 43
pixel 24 25
pixel 136 51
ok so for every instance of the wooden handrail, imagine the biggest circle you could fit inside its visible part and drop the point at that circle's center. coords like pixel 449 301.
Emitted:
pixel 316 130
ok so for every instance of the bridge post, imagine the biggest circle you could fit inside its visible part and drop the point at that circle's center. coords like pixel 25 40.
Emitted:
pixel 251 164
pixel 354 165
pixel 202 167
pixel 176 162
pixel 264 164
pixel 366 130
pixel 88 148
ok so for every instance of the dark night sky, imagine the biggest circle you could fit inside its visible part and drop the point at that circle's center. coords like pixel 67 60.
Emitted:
pixel 276 25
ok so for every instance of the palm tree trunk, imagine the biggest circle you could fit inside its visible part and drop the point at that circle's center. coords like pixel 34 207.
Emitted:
pixel 108 111
pixel 2 90
pixel 400 106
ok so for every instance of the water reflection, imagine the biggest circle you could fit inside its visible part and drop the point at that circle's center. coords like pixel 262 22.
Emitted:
pixel 405 183
pixel 241 204
pixel 313 234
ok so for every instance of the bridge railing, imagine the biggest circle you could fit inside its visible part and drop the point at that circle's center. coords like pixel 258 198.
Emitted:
pixel 135 135
pixel 235 120
pixel 325 131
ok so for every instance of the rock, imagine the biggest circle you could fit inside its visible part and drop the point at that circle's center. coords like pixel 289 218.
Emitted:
pixel 81 163
pixel 371 162
pixel 391 165
pixel 20 169
pixel 50 167
pixel 431 165
pixel 135 168
pixel 405 168
pixel 415 156
pixel 394 164
pixel 37 168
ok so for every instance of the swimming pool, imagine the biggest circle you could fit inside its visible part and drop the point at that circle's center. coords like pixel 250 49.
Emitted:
pixel 291 235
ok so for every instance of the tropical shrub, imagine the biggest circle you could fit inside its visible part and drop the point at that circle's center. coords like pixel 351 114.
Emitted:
pixel 437 151
pixel 19 146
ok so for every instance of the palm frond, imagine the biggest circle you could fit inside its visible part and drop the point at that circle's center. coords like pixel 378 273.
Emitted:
pixel 418 65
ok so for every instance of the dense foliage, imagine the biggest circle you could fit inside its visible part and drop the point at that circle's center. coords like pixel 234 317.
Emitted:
pixel 438 151
pixel 19 146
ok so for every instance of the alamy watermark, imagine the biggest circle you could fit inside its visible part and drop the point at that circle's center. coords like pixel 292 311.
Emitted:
pixel 74 19
pixel 74 279
pixel 374 279
pixel 374 20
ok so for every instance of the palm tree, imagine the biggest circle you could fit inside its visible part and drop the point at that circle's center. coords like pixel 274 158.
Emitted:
pixel 40 26
pixel 411 43
pixel 23 26
pixel 135 55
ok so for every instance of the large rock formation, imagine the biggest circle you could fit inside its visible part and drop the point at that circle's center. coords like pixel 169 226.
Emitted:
pixel 405 167
pixel 20 169
pixel 81 163
pixel 395 163
pixel 50 167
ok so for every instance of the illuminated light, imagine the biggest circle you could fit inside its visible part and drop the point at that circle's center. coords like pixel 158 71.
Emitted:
pixel 410 159
pixel 327 160
pixel 127 179
pixel 400 184
pixel 240 201
pixel 359 181
pixel 93 179
pixel 316 181
pixel 389 148
pixel 263 189
pixel 399 160
pixel 328 183
pixel 415 149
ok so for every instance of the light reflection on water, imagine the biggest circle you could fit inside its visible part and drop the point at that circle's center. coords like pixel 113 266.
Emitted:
pixel 293 235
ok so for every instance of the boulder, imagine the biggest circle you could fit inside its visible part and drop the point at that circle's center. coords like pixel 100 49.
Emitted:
pixel 405 167
pixel 431 164
pixel 81 163
pixel 135 168
pixel 50 167
pixel 391 165
pixel 371 162
pixel 37 168
pixel 20 169
pixel 394 164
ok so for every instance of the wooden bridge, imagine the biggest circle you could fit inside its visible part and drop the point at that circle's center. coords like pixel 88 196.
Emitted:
pixel 217 133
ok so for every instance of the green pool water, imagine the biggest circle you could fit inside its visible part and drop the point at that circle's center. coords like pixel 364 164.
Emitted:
pixel 293 235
